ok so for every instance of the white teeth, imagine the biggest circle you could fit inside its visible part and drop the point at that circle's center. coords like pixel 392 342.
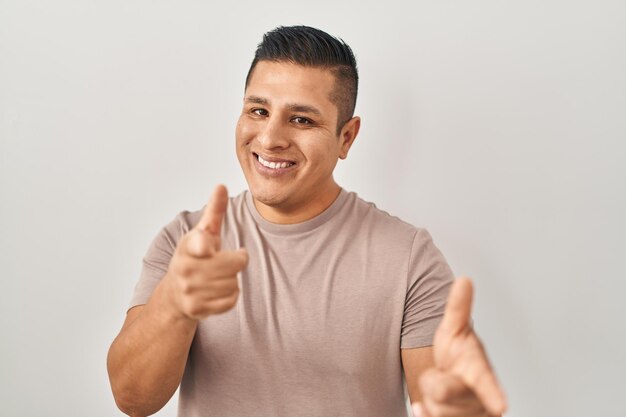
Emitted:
pixel 274 165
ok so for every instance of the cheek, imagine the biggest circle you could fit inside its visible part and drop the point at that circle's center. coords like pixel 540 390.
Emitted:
pixel 325 157
pixel 240 143
pixel 244 132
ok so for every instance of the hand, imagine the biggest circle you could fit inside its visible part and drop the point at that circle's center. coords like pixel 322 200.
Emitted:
pixel 202 278
pixel 462 382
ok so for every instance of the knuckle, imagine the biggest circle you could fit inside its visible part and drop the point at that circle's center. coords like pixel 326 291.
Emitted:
pixel 182 266
pixel 188 308
pixel 231 299
pixel 435 410
pixel 196 310
pixel 186 288
pixel 217 309
pixel 241 262
pixel 186 269
pixel 440 393
pixel 230 303
pixel 224 304
pixel 235 294
pixel 183 284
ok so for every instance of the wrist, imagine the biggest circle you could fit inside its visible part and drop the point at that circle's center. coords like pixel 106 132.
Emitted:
pixel 167 304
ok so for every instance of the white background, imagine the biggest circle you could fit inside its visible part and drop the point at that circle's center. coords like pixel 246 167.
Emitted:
pixel 500 126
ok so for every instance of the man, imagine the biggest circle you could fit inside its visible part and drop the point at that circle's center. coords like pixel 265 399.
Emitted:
pixel 330 301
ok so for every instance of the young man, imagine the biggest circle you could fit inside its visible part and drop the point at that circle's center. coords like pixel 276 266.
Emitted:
pixel 330 301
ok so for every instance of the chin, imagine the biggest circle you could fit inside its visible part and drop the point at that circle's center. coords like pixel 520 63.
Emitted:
pixel 270 196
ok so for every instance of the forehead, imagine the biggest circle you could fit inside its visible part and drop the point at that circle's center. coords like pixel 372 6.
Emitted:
pixel 288 82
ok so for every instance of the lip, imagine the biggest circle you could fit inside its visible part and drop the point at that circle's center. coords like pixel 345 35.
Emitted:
pixel 269 172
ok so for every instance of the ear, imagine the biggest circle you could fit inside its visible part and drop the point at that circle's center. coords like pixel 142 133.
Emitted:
pixel 348 134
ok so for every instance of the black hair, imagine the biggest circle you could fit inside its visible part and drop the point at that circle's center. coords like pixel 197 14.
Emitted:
pixel 310 47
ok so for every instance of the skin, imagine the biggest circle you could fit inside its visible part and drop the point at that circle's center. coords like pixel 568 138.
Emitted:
pixel 461 381
pixel 147 359
pixel 287 116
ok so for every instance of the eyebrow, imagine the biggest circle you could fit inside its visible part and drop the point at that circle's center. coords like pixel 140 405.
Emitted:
pixel 300 108
pixel 256 99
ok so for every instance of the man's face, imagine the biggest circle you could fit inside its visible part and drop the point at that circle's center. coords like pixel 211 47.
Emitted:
pixel 287 141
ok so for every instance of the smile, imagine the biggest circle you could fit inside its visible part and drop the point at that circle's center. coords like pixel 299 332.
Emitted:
pixel 274 164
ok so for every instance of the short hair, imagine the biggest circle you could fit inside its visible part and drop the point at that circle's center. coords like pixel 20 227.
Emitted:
pixel 310 47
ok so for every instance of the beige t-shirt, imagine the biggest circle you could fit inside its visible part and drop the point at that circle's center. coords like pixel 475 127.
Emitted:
pixel 324 309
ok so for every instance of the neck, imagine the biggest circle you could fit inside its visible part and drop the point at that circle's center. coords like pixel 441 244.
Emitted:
pixel 299 212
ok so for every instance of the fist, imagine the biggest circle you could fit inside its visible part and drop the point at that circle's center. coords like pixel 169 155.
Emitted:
pixel 202 279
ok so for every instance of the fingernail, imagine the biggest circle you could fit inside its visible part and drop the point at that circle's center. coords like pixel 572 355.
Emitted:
pixel 417 409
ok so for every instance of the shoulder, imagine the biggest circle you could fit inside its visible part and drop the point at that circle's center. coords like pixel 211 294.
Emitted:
pixel 392 240
pixel 379 221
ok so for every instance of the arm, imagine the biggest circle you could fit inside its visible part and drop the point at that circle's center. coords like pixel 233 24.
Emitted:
pixel 147 359
pixel 415 362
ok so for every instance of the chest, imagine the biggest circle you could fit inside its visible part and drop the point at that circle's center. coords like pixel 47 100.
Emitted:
pixel 311 309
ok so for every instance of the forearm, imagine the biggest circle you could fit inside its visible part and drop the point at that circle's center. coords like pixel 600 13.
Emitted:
pixel 147 359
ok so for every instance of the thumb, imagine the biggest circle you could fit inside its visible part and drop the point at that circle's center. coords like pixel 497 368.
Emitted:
pixel 213 214
pixel 458 308
pixel 201 244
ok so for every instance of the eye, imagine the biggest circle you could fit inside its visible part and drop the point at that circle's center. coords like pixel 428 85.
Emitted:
pixel 301 120
pixel 259 112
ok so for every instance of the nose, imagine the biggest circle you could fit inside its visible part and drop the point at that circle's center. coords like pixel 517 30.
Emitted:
pixel 273 136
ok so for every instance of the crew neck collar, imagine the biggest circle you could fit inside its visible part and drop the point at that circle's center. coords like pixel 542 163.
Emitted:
pixel 305 226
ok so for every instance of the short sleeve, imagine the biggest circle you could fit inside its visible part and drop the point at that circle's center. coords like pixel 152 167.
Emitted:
pixel 429 281
pixel 157 258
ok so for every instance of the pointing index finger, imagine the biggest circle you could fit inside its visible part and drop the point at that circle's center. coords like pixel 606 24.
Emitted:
pixel 459 307
pixel 214 211
pixel 472 366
